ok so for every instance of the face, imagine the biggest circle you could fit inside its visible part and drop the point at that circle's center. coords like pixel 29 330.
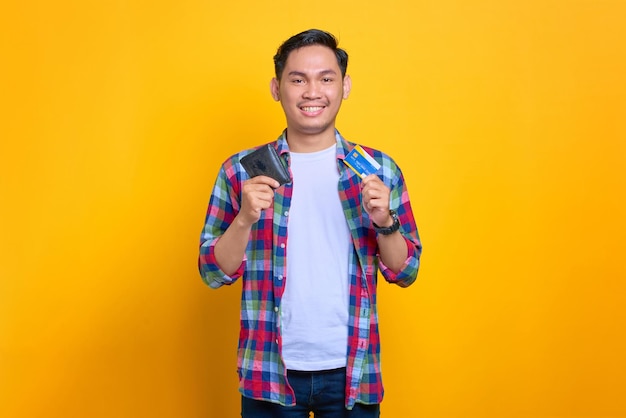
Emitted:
pixel 311 90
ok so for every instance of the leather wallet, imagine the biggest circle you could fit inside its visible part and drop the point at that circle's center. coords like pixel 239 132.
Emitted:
pixel 265 161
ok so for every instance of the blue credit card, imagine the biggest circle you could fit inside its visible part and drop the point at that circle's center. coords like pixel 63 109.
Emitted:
pixel 361 162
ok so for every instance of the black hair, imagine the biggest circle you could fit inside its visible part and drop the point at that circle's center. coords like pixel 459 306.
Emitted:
pixel 307 38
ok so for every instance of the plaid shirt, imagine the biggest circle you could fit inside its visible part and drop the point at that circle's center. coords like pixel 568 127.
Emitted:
pixel 261 369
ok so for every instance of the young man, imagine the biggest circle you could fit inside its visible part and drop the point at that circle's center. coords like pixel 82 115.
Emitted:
pixel 309 252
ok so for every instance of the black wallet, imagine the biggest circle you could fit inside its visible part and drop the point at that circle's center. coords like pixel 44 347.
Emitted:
pixel 265 161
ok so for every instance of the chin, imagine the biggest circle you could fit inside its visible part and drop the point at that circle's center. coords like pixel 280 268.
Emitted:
pixel 315 129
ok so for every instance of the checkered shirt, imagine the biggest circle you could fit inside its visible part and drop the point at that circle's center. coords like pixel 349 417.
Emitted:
pixel 262 372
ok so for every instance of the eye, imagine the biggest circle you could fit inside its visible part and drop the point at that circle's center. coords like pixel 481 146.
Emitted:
pixel 297 81
pixel 327 80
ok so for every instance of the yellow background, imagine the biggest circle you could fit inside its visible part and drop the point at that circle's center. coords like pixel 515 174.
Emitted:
pixel 507 117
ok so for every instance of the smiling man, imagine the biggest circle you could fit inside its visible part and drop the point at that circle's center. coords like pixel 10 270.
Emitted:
pixel 308 252
pixel 310 86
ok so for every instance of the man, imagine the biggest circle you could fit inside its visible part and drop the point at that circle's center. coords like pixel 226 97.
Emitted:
pixel 309 252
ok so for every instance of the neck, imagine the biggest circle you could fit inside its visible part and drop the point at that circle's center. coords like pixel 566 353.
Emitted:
pixel 300 142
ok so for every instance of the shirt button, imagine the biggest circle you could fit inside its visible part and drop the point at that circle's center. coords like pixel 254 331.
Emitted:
pixel 275 308
pixel 286 213
pixel 282 245
pixel 276 340
pixel 280 277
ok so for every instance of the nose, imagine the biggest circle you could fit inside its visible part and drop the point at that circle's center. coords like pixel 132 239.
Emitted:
pixel 312 91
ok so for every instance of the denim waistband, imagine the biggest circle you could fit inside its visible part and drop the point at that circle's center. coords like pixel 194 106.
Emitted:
pixel 329 371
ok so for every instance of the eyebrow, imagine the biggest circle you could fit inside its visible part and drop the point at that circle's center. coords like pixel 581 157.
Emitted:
pixel 301 74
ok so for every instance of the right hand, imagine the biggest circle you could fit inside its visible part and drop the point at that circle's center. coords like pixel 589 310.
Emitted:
pixel 257 194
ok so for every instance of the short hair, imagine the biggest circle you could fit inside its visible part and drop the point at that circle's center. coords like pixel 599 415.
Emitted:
pixel 307 38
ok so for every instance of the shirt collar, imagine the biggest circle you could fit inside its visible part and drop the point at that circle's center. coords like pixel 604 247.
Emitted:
pixel 343 146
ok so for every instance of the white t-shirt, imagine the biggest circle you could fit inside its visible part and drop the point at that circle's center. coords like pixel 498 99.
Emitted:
pixel 315 304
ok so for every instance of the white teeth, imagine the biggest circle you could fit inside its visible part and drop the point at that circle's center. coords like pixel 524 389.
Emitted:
pixel 312 108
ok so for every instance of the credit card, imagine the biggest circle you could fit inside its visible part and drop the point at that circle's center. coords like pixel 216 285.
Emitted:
pixel 361 162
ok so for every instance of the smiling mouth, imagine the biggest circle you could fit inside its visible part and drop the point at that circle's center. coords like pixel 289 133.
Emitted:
pixel 312 108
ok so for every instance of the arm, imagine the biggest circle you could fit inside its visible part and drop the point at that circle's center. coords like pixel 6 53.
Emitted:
pixel 393 248
pixel 227 227
pixel 257 195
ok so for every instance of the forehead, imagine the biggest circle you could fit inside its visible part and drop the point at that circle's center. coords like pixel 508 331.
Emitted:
pixel 312 58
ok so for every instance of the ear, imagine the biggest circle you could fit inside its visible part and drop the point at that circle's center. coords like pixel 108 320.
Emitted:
pixel 347 86
pixel 275 89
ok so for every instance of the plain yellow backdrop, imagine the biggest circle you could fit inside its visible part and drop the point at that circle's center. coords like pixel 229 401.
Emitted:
pixel 508 119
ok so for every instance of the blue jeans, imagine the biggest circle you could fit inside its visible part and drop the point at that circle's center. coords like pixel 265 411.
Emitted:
pixel 322 393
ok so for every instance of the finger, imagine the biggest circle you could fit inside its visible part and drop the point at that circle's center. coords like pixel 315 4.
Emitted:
pixel 371 178
pixel 259 201
pixel 377 204
pixel 264 180
pixel 260 189
pixel 373 192
pixel 260 205
pixel 374 183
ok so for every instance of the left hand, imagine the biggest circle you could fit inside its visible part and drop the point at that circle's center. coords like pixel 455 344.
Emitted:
pixel 376 200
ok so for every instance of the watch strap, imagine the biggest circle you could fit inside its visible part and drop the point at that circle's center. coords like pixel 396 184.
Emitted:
pixel 388 230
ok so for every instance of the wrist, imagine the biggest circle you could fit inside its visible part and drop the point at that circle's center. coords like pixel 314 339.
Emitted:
pixel 386 224
pixel 243 222
pixel 390 226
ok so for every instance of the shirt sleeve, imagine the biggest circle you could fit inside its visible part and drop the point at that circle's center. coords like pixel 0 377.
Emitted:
pixel 223 207
pixel 408 274
pixel 399 200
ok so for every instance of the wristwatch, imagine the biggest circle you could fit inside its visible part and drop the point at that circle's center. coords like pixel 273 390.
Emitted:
pixel 389 229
